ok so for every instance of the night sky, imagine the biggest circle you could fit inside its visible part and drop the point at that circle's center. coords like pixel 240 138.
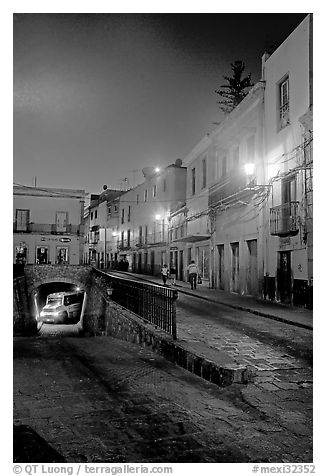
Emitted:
pixel 97 97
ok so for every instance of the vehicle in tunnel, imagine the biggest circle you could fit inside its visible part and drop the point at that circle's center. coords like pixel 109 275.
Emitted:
pixel 62 307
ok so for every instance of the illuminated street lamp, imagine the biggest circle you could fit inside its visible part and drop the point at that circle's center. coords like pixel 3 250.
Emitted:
pixel 157 169
pixel 249 169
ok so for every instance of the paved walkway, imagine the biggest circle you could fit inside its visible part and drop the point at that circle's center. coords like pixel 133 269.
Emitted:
pixel 296 316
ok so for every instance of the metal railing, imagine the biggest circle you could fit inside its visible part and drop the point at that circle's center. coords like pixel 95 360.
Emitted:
pixel 284 219
pixel 153 303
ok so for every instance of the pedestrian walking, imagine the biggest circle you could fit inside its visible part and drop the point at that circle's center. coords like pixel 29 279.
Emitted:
pixel 164 273
pixel 173 274
pixel 193 272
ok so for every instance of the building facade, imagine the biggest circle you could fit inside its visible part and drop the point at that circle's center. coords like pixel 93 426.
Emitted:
pixel 289 165
pixel 237 192
pixel 144 218
pixel 48 225
pixel 189 223
pixel 102 228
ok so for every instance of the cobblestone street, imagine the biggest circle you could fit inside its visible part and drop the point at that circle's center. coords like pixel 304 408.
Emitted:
pixel 104 400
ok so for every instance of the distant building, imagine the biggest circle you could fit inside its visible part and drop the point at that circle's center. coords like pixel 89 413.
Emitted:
pixel 102 220
pixel 144 217
pixel 48 225
pixel 189 222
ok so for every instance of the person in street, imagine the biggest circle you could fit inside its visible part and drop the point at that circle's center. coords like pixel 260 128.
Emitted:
pixel 193 272
pixel 165 273
pixel 173 273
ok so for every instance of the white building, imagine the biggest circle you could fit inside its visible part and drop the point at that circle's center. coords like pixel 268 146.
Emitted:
pixel 237 192
pixel 288 156
pixel 48 225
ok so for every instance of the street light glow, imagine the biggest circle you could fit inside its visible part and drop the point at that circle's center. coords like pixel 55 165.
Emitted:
pixel 157 217
pixel 157 169
pixel 249 168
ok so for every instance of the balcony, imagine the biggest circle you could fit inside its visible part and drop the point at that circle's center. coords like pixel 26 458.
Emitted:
pixel 50 228
pixel 227 188
pixel 284 219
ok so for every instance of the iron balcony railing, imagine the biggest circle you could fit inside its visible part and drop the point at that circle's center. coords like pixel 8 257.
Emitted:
pixel 153 303
pixel 284 219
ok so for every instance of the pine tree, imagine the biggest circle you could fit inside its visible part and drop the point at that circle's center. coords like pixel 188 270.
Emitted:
pixel 236 89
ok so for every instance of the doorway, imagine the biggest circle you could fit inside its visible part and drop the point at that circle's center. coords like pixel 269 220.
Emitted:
pixel 220 267
pixel 181 278
pixel 235 267
pixel 41 255
pixel 252 274
pixel 284 279
pixel 62 255
pixel 152 262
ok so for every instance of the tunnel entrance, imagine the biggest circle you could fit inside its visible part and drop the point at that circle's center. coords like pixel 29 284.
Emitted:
pixel 58 304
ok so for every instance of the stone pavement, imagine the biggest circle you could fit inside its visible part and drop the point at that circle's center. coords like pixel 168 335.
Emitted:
pixel 296 316
pixel 103 400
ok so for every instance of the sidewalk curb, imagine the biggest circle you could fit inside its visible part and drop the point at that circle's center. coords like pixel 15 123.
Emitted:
pixel 235 306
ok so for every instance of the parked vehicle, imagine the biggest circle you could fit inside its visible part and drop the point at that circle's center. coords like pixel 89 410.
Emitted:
pixel 63 307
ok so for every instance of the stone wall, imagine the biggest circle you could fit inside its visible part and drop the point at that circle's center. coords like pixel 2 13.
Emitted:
pixel 23 320
pixel 41 274
pixel 105 317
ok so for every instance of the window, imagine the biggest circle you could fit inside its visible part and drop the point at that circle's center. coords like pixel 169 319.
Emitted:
pixel 128 238
pixel 204 172
pixel 236 157
pixel 115 208
pixel 95 213
pixel 224 166
pixel 289 189
pixel 122 216
pixel 284 103
pixel 61 220
pixel 109 210
pixel 129 210
pixel 122 238
pixel 140 235
pixel 145 195
pixel 91 215
pixel 193 181
pixel 146 234
pixel 164 185
pixel 154 190
pixel 22 220
pixel 137 199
